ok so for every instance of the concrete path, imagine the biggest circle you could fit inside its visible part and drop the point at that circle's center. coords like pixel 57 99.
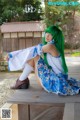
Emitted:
pixel 73 64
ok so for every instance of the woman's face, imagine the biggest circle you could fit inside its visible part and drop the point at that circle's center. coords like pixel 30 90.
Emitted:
pixel 48 37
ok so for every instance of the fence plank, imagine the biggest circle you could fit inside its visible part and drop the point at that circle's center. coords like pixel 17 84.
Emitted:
pixel 14 44
pixel 22 43
pixel 29 42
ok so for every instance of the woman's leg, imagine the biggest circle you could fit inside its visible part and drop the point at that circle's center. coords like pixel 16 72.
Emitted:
pixel 35 61
pixel 23 79
pixel 32 64
pixel 28 68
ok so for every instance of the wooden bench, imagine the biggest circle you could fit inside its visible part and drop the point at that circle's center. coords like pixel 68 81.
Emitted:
pixel 25 98
pixel 69 105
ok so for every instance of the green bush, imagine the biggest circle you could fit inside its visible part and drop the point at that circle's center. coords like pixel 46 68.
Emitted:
pixel 75 54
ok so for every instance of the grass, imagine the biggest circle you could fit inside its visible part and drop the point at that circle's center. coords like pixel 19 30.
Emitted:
pixel 75 54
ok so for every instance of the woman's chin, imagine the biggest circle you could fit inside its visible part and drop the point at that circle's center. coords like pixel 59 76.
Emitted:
pixel 47 41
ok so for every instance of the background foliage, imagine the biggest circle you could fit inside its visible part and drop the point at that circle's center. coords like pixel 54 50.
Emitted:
pixel 65 17
pixel 20 10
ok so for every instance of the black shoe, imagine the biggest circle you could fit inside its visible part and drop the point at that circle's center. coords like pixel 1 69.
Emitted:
pixel 21 84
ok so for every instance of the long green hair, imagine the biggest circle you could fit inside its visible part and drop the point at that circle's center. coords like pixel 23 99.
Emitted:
pixel 58 37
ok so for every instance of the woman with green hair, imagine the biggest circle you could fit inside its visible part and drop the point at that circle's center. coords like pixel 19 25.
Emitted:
pixel 49 62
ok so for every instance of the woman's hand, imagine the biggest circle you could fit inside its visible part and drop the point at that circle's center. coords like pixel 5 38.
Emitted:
pixel 7 58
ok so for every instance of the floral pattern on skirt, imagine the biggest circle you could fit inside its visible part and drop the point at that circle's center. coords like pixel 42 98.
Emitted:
pixel 56 83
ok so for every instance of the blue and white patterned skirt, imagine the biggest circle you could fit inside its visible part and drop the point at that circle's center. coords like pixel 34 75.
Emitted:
pixel 56 83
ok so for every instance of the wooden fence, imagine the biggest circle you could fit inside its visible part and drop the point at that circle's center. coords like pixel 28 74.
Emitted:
pixel 12 44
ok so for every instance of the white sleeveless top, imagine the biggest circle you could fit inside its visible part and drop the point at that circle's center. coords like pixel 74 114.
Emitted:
pixel 55 62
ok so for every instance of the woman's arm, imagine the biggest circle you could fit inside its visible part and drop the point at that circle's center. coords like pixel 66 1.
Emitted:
pixel 49 48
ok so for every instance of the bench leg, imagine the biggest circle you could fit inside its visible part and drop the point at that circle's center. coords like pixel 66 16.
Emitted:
pixel 23 112
pixel 68 111
pixel 77 111
pixel 72 111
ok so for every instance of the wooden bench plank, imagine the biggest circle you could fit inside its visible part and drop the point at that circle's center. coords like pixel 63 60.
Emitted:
pixel 32 96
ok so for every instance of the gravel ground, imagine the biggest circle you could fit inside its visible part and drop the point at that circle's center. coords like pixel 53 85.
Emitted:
pixel 6 79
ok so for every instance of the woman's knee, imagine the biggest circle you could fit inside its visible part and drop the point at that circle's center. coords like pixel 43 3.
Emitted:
pixel 31 62
pixel 36 58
